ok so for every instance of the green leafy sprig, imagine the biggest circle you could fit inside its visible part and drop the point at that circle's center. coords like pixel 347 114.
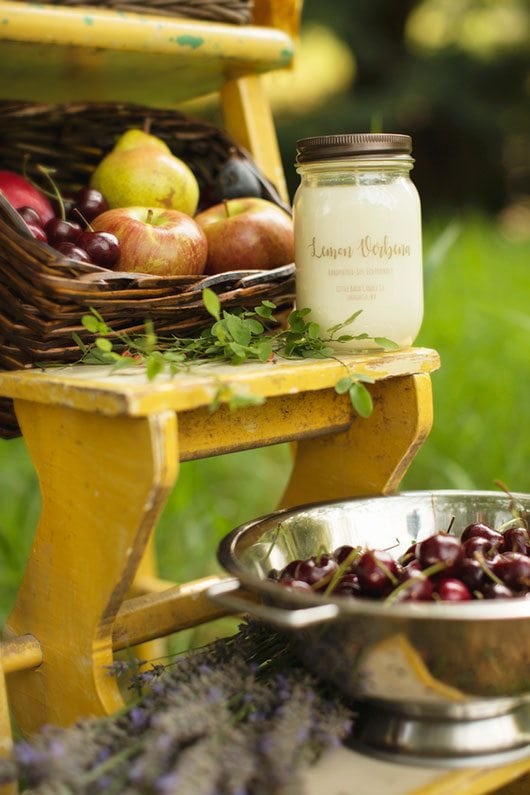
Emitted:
pixel 234 337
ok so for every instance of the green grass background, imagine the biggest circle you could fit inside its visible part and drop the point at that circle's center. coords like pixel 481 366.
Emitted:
pixel 477 288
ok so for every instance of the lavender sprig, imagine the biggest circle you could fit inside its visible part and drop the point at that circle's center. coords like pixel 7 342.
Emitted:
pixel 239 716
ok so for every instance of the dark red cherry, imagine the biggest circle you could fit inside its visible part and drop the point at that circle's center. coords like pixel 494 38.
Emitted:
pixel 417 588
pixel 72 251
pixel 472 574
pixel 440 548
pixel 103 248
pixel 495 590
pixel 377 572
pixel 409 554
pixel 300 585
pixel 449 589
pixel 289 571
pixel 59 231
pixel 30 215
pixel 38 232
pixel 88 204
pixel 513 569
pixel 348 585
pixel 483 531
pixel 345 552
pixel 484 546
pixel 410 569
pixel 516 540
pixel 317 571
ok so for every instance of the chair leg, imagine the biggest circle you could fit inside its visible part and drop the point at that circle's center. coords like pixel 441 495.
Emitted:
pixel 248 119
pixel 104 482
pixel 372 456
pixel 6 742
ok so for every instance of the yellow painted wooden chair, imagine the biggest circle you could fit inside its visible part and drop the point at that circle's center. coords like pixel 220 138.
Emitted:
pixel 107 449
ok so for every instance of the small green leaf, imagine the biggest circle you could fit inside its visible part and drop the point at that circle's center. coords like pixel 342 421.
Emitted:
pixel 263 311
pixel 211 302
pixel 389 345
pixel 367 379
pixel 219 330
pixel 79 342
pixel 90 323
pixel 254 326
pixel 343 385
pixel 361 399
pixel 238 350
pixel 239 400
pixel 264 350
pixel 313 330
pixel 154 365
pixel 346 322
pixel 104 345
pixel 238 329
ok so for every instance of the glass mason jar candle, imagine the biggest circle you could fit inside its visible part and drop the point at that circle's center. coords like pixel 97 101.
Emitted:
pixel 357 226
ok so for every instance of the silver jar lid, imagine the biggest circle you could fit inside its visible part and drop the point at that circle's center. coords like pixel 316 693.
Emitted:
pixel 333 147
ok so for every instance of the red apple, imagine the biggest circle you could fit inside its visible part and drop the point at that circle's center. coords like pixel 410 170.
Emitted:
pixel 247 234
pixel 155 240
pixel 21 193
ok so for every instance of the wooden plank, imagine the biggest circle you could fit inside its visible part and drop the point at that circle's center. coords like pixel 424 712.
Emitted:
pixel 57 54
pixel 94 388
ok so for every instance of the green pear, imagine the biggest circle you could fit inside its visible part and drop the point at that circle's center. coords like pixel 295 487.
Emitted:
pixel 141 171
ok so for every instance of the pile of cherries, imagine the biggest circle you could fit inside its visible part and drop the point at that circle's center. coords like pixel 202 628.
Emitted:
pixel 71 235
pixel 483 563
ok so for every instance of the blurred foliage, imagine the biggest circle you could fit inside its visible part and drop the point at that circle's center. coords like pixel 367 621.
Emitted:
pixel 455 74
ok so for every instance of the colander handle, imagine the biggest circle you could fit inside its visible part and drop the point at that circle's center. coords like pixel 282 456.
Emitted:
pixel 229 593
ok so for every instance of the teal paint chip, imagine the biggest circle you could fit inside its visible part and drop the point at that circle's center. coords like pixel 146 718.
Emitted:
pixel 190 41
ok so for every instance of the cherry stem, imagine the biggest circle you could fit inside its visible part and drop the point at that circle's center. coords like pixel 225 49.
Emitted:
pixel 56 192
pixel 84 220
pixel 386 571
pixel 339 571
pixel 425 574
pixel 517 522
pixel 486 569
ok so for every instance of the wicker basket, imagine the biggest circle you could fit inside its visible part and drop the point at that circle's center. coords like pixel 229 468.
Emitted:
pixel 43 294
pixel 236 12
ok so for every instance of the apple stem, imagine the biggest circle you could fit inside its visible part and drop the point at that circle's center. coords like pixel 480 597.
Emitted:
pixel 227 209
pixel 149 215
pixel 147 124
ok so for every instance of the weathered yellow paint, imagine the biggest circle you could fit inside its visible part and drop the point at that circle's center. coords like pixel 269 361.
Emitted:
pixel 6 741
pixel 20 653
pixel 157 614
pixel 281 14
pixel 480 781
pixel 94 388
pixel 248 118
pixel 279 419
pixel 372 456
pixel 104 482
pixel 56 54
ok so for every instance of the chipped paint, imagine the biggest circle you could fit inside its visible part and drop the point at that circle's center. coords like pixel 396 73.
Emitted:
pixel 188 40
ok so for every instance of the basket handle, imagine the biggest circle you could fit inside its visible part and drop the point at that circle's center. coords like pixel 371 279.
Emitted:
pixel 228 593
